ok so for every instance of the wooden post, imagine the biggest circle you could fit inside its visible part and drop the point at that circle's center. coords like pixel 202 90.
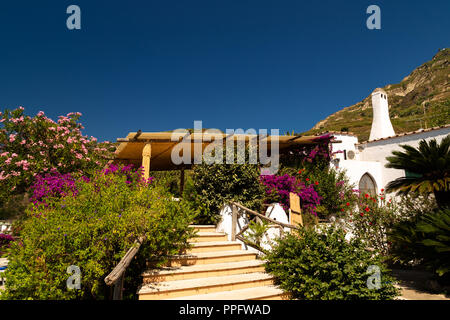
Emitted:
pixel 118 288
pixel 181 182
pixel 295 212
pixel 146 155
pixel 233 222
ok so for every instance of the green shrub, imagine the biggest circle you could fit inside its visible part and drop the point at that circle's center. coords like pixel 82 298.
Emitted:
pixel 373 218
pixel 202 213
pixel 424 240
pixel 217 183
pixel 169 180
pixel 93 229
pixel 312 265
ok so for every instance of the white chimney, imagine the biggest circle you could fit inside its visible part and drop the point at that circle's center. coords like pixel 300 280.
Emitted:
pixel 381 123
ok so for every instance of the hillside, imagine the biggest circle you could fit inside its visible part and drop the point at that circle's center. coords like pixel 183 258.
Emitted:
pixel 420 100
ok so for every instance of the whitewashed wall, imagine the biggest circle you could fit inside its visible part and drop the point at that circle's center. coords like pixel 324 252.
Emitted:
pixel 379 150
pixel 371 156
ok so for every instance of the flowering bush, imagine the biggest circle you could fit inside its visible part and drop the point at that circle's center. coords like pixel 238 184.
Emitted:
pixel 336 193
pixel 52 184
pixel 55 184
pixel 35 145
pixel 373 218
pixel 309 155
pixel 311 164
pixel 279 187
pixel 92 228
pixel 5 242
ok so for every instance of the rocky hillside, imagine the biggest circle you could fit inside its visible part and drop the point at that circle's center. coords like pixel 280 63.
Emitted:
pixel 420 100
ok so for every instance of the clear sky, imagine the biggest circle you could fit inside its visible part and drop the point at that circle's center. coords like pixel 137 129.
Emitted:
pixel 160 65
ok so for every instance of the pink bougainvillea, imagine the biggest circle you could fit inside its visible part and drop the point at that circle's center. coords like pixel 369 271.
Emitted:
pixel 58 185
pixel 279 187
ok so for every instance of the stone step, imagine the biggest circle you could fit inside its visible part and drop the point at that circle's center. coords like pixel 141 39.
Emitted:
pixel 208 246
pixel 204 228
pixel 203 271
pixel 269 292
pixel 209 258
pixel 182 288
pixel 204 236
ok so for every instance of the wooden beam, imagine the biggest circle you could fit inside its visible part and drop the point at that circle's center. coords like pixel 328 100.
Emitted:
pixel 137 135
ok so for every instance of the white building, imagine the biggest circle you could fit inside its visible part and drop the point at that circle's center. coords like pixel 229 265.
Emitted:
pixel 364 162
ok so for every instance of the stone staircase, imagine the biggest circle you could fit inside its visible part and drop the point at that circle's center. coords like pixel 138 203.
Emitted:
pixel 213 269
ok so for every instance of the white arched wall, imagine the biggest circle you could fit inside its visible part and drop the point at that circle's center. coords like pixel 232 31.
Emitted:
pixel 356 169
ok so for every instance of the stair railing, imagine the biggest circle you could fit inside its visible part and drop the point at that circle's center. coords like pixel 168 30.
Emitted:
pixel 116 277
pixel 234 219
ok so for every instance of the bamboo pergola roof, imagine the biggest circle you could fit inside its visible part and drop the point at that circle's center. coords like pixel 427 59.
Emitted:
pixel 131 148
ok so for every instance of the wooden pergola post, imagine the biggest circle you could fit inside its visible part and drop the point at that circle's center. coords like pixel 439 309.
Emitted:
pixel 146 155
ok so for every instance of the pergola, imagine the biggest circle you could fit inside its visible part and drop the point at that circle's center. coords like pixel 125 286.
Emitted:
pixel 152 150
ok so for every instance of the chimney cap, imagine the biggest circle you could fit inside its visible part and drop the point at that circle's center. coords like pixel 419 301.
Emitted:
pixel 379 90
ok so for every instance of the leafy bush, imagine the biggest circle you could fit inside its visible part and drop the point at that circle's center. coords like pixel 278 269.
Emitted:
pixel 170 180
pixel 429 168
pixel 92 228
pixel 374 218
pixel 215 184
pixel 425 240
pixel 336 194
pixel 203 215
pixel 5 242
pixel 254 235
pixel 313 265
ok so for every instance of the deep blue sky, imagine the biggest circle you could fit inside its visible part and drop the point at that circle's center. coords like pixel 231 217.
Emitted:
pixel 160 65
